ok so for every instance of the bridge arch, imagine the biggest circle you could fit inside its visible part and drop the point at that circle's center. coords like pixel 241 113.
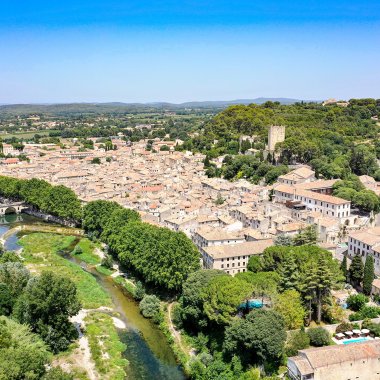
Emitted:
pixel 10 210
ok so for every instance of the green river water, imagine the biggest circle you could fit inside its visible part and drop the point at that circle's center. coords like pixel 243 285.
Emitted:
pixel 150 356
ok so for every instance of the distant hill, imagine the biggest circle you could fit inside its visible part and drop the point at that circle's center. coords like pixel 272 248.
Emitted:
pixel 119 107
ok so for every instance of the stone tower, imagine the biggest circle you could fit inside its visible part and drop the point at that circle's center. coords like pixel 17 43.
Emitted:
pixel 276 134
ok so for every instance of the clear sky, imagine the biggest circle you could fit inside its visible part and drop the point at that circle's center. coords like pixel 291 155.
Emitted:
pixel 142 51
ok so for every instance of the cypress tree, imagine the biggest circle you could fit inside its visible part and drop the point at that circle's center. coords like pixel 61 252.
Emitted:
pixel 356 270
pixel 343 267
pixel 369 275
pixel 289 274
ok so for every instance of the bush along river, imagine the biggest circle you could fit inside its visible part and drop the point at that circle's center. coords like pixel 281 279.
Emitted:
pixel 147 350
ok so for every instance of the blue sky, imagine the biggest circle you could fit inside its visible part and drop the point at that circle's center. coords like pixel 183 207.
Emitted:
pixel 141 51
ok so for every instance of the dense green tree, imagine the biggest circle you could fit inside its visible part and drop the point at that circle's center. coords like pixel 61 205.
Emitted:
pixel 325 280
pixel 9 257
pixel 193 298
pixel 6 300
pixel 119 218
pixel 63 202
pixel 260 337
pixel 264 283
pixel 56 200
pixel 96 215
pixel 289 305
pixel 23 355
pixel 15 276
pixel 283 240
pixel 139 292
pixel 46 305
pixel 289 274
pixel 297 340
pixel 254 264
pixel 306 237
pixel 356 301
pixel 363 160
pixel 56 373
pixel 343 267
pixel 356 270
pixel 367 200
pixel 162 257
pixel 318 336
pixel 223 295
pixel 149 306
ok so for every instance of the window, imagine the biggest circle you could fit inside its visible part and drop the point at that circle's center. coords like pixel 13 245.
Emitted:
pixel 228 265
pixel 233 264
pixel 222 266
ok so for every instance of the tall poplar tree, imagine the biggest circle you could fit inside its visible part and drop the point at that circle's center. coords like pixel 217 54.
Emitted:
pixel 356 270
pixel 343 267
pixel 369 275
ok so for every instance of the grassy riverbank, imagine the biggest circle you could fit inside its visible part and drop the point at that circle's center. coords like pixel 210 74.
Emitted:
pixel 40 251
pixel 106 348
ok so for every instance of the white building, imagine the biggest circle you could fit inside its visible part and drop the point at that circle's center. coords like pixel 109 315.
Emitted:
pixel 327 205
pixel 209 237
pixel 366 242
pixel 233 258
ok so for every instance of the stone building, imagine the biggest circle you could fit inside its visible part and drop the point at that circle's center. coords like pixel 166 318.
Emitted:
pixel 340 362
pixel 276 135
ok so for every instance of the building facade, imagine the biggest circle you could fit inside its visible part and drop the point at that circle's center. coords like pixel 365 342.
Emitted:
pixel 356 361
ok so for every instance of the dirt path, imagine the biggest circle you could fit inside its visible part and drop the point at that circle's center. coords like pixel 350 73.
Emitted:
pixel 176 334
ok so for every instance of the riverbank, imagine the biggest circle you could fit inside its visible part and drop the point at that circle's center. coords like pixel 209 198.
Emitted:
pixel 148 354
pixel 99 350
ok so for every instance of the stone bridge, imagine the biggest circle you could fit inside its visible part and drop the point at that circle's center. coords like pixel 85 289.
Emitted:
pixel 12 208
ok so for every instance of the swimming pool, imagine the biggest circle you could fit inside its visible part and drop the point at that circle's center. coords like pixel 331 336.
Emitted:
pixel 356 340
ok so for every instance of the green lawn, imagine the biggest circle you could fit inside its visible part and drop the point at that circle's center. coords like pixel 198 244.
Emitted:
pixel 40 253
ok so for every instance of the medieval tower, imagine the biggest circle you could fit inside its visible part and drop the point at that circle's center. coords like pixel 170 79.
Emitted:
pixel 276 134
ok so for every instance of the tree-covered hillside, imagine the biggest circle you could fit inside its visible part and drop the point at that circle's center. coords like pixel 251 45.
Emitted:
pixel 336 141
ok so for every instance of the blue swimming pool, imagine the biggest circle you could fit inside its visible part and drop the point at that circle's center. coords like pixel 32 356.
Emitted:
pixel 251 304
pixel 356 340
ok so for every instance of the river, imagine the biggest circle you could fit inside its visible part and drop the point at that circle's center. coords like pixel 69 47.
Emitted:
pixel 148 352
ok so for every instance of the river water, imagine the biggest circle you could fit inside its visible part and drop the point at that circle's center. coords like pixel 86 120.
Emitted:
pixel 148 352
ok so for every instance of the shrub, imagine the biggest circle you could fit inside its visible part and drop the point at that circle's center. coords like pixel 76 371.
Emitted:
pixel 356 301
pixel 365 312
pixel 77 250
pixel 298 340
pixel 355 317
pixel 374 328
pixel 369 312
pixel 149 306
pixel 344 326
pixel 107 261
pixel 318 337
pixel 139 291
